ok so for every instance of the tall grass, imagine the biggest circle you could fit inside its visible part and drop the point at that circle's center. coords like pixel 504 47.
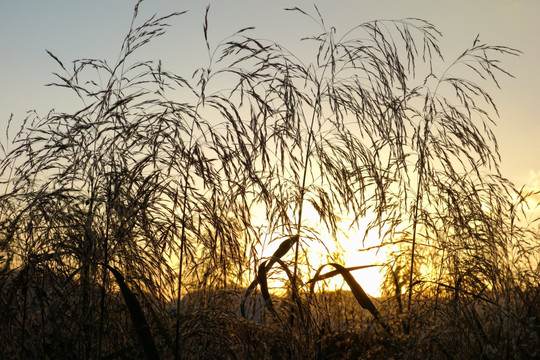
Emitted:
pixel 162 181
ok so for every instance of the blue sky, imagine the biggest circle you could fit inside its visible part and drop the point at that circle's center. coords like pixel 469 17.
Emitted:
pixel 95 29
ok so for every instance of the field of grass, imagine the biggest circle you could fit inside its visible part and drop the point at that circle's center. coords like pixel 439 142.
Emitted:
pixel 139 225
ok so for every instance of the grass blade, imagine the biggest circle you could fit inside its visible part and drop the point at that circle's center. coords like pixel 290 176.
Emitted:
pixel 137 316
pixel 283 248
pixel 261 278
pixel 361 297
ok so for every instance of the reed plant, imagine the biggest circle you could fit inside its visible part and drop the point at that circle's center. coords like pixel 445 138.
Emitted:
pixel 174 184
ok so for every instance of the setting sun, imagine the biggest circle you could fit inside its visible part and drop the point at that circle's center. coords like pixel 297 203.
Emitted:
pixel 346 248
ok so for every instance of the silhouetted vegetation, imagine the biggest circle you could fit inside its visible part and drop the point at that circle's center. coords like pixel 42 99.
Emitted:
pixel 173 185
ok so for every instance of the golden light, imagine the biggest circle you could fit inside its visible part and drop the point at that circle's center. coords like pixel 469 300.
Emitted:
pixel 345 248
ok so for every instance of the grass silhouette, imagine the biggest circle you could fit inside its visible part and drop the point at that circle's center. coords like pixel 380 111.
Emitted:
pixel 156 179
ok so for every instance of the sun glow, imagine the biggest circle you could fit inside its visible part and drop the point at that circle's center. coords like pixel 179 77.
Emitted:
pixel 347 248
pixel 356 251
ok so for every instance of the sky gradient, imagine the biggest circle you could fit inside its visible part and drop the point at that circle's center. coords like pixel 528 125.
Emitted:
pixel 95 29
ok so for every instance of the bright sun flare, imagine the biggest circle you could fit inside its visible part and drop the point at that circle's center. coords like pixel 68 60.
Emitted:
pixel 369 278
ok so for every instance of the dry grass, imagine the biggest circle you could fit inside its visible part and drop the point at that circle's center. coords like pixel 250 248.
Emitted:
pixel 156 168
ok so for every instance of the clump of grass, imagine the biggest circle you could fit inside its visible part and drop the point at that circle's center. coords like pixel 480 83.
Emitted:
pixel 156 179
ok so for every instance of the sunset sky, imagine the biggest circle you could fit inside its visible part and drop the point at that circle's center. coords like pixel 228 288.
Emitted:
pixel 95 29
pixel 292 179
